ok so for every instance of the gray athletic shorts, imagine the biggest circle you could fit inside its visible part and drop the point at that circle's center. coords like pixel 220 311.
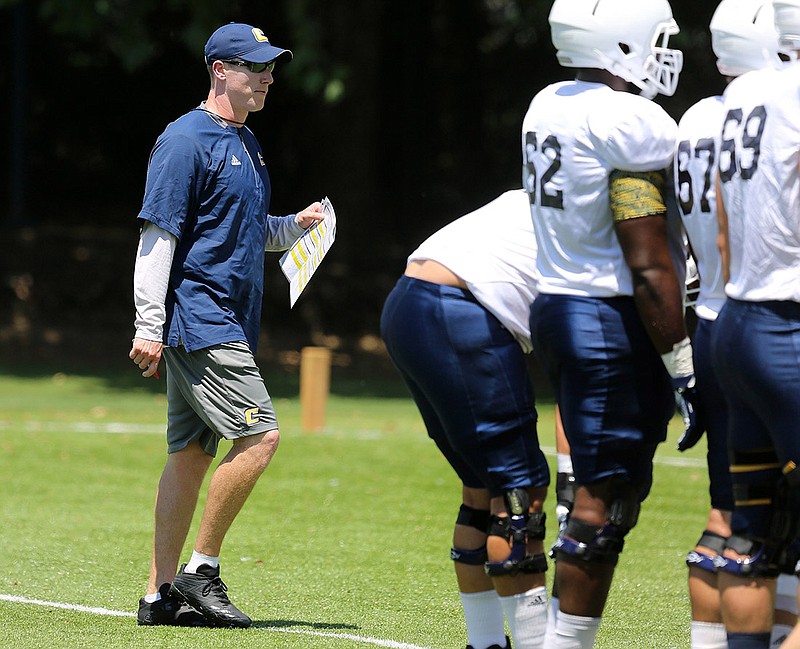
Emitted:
pixel 214 393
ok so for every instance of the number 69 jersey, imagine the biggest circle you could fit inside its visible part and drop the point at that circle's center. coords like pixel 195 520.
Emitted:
pixel 760 184
pixel 574 135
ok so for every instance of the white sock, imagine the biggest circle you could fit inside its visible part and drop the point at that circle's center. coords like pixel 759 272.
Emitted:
pixel 198 559
pixel 552 616
pixel 484 618
pixel 564 462
pixel 526 614
pixel 778 635
pixel 709 635
pixel 575 631
pixel 152 597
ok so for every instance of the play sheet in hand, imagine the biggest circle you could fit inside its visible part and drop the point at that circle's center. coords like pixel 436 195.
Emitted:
pixel 302 259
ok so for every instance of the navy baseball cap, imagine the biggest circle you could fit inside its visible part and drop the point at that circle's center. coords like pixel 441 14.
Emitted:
pixel 240 41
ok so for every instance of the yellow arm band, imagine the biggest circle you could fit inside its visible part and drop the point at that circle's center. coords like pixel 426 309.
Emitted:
pixel 635 194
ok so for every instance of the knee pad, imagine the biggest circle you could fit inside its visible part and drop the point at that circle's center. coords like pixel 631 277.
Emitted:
pixel 518 527
pixel 478 519
pixel 601 543
pixel 702 560
pixel 779 550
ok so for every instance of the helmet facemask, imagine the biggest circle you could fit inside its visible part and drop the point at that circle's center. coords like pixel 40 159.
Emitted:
pixel 655 71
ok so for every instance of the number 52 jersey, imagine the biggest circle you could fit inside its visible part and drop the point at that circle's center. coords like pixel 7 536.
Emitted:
pixel 574 135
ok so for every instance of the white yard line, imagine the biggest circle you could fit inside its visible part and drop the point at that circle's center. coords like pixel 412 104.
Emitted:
pixel 69 607
pixel 390 644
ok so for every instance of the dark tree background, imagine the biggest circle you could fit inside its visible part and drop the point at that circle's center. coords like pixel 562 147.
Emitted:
pixel 406 114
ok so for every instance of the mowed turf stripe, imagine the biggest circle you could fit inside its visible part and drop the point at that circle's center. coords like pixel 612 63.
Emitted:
pixel 120 428
pixel 390 644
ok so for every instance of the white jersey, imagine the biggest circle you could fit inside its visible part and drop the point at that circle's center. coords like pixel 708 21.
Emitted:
pixel 696 157
pixel 494 251
pixel 574 135
pixel 760 184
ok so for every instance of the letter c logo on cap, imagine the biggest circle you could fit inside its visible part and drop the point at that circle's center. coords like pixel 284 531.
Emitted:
pixel 259 35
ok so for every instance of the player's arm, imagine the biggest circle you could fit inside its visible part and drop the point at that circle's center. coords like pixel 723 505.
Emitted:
pixel 637 201
pixel 722 237
pixel 150 281
pixel 639 210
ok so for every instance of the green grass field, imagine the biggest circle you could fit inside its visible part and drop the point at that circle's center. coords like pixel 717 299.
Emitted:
pixel 344 543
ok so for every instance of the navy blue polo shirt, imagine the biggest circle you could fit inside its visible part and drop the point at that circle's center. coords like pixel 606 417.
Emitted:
pixel 207 184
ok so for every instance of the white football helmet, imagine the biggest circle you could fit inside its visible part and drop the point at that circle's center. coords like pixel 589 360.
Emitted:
pixel 743 36
pixel 787 21
pixel 629 39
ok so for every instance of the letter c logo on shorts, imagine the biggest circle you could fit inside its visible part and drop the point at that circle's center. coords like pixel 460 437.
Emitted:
pixel 251 416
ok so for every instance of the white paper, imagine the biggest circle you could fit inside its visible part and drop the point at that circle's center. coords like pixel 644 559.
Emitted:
pixel 302 259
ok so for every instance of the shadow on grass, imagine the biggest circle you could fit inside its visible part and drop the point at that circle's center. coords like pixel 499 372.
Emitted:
pixel 362 378
pixel 353 373
pixel 322 626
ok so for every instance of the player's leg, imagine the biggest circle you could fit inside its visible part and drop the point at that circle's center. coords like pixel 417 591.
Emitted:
pixel 785 616
pixel 499 443
pixel 604 370
pixel 565 501
pixel 517 563
pixel 778 405
pixel 428 362
pixel 565 477
pixel 483 613
pixel 707 629
pixel 468 369
pixel 793 639
pixel 756 351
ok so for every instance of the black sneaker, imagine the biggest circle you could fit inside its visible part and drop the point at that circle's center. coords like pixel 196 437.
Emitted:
pixel 168 611
pixel 497 646
pixel 205 592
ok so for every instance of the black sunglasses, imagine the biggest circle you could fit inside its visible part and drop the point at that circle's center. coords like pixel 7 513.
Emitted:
pixel 257 68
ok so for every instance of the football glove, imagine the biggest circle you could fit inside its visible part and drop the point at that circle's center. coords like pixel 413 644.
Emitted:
pixel 687 403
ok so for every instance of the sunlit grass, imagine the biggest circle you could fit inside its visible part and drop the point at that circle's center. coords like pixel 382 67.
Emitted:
pixel 346 536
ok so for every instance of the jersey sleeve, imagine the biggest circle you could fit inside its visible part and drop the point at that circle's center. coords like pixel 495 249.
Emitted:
pixel 640 136
pixel 175 176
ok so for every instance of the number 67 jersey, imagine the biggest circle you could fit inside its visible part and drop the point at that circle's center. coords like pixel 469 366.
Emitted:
pixel 695 170
pixel 574 135
pixel 760 184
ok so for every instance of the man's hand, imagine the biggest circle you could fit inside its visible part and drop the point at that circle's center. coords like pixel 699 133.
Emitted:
pixel 687 403
pixel 146 354
pixel 309 216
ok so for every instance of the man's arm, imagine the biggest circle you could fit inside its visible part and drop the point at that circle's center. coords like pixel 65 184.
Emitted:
pixel 283 231
pixel 150 282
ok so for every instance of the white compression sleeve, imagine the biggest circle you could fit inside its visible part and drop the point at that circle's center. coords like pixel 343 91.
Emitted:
pixel 150 280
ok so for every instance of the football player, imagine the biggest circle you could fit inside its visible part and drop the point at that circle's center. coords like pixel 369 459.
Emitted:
pixel 743 38
pixel 608 324
pixel 756 344
pixel 456 326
